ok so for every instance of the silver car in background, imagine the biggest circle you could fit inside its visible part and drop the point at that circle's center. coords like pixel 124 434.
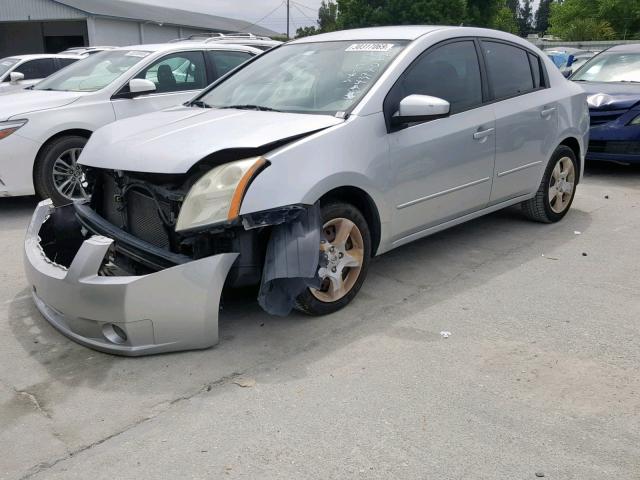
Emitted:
pixel 295 170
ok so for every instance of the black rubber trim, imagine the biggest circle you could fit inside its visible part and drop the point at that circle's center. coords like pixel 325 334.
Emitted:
pixel 138 250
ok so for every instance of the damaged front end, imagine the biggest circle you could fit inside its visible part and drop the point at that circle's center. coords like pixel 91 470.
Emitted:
pixel 115 274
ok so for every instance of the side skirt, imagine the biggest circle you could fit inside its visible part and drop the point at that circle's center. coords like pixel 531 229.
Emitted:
pixel 458 221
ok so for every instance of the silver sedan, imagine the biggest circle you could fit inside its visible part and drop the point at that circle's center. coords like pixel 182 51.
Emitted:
pixel 294 171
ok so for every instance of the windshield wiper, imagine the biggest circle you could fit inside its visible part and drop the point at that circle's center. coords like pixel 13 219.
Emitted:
pixel 251 107
pixel 629 81
pixel 198 103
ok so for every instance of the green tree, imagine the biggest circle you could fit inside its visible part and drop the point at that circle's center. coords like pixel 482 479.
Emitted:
pixel 525 17
pixel 514 6
pixel 483 13
pixel 595 19
pixel 306 31
pixel 506 21
pixel 327 16
pixel 622 15
pixel 542 16
pixel 365 13
pixel 327 20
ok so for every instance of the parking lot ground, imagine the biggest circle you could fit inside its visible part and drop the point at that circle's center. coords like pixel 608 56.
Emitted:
pixel 539 375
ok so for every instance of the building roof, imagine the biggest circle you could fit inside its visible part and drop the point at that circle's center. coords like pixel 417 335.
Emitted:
pixel 130 9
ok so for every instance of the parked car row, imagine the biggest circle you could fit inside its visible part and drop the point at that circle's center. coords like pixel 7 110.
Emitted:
pixel 44 129
pixel 291 172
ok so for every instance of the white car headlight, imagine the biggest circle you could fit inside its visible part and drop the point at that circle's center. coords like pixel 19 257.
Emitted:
pixel 7 128
pixel 217 196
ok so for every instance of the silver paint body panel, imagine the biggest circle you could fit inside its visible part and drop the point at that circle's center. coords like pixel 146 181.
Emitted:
pixel 418 178
pixel 171 310
pixel 421 179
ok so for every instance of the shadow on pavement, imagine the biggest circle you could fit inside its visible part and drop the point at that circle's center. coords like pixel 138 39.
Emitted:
pixel 429 267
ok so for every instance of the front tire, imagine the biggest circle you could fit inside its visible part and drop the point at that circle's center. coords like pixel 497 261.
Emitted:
pixel 557 189
pixel 347 246
pixel 57 175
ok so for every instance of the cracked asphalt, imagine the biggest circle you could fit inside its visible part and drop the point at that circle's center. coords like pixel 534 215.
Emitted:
pixel 539 375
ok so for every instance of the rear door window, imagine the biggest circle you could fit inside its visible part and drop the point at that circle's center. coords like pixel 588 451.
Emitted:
pixel 65 62
pixel 509 69
pixel 36 69
pixel 225 61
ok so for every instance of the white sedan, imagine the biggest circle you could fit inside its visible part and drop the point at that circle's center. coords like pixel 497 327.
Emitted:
pixel 44 129
pixel 21 71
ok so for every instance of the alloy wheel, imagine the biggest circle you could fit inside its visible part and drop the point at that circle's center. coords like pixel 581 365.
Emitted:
pixel 343 247
pixel 68 177
pixel 561 185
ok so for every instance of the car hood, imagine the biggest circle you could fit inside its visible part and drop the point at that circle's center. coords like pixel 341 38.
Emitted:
pixel 174 140
pixel 22 102
pixel 611 96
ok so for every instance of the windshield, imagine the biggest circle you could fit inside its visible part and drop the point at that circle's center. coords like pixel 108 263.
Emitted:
pixel 611 67
pixel 6 64
pixel 320 78
pixel 93 73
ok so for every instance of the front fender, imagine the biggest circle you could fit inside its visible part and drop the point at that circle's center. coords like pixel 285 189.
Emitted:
pixel 353 154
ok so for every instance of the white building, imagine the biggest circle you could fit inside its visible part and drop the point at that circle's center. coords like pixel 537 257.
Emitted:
pixel 39 26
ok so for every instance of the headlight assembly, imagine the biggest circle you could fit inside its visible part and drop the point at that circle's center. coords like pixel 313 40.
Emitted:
pixel 217 196
pixel 7 128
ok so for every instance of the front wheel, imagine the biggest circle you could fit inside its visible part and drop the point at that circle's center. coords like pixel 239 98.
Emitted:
pixel 57 174
pixel 557 189
pixel 346 248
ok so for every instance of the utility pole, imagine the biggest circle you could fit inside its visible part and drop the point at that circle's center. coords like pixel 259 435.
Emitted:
pixel 288 36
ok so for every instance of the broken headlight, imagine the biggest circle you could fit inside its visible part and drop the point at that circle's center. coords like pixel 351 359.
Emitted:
pixel 216 197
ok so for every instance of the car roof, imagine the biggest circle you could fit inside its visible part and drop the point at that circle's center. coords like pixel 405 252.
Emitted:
pixel 405 32
pixel 181 46
pixel 629 47
pixel 37 56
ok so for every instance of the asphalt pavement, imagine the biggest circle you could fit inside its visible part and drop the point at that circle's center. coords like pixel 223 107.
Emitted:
pixel 539 375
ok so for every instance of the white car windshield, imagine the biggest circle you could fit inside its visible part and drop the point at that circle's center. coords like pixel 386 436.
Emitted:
pixel 320 78
pixel 6 64
pixel 93 73
pixel 611 67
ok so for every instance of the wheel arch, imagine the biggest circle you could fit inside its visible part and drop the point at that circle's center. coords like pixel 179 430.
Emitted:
pixel 574 144
pixel 65 133
pixel 363 202
pixel 80 132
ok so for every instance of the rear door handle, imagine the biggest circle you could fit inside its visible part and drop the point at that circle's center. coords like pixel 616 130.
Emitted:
pixel 483 133
pixel 547 111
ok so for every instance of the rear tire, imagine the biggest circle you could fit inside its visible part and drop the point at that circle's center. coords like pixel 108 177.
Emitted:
pixel 556 191
pixel 60 155
pixel 347 246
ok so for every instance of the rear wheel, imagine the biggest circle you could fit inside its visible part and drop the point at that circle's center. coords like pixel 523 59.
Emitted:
pixel 557 189
pixel 346 246
pixel 57 174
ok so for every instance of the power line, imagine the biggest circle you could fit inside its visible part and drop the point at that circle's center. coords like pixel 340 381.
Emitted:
pixel 266 16
pixel 306 6
pixel 296 6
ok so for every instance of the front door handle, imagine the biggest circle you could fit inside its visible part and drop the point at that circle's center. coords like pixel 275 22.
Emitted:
pixel 482 134
pixel 547 112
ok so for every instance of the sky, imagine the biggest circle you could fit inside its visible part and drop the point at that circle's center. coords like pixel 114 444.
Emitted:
pixel 267 13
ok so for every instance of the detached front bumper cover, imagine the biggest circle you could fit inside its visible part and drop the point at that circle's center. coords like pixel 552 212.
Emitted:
pixel 171 310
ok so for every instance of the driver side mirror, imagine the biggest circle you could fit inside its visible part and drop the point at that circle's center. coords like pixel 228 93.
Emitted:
pixel 421 108
pixel 139 86
pixel 16 77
